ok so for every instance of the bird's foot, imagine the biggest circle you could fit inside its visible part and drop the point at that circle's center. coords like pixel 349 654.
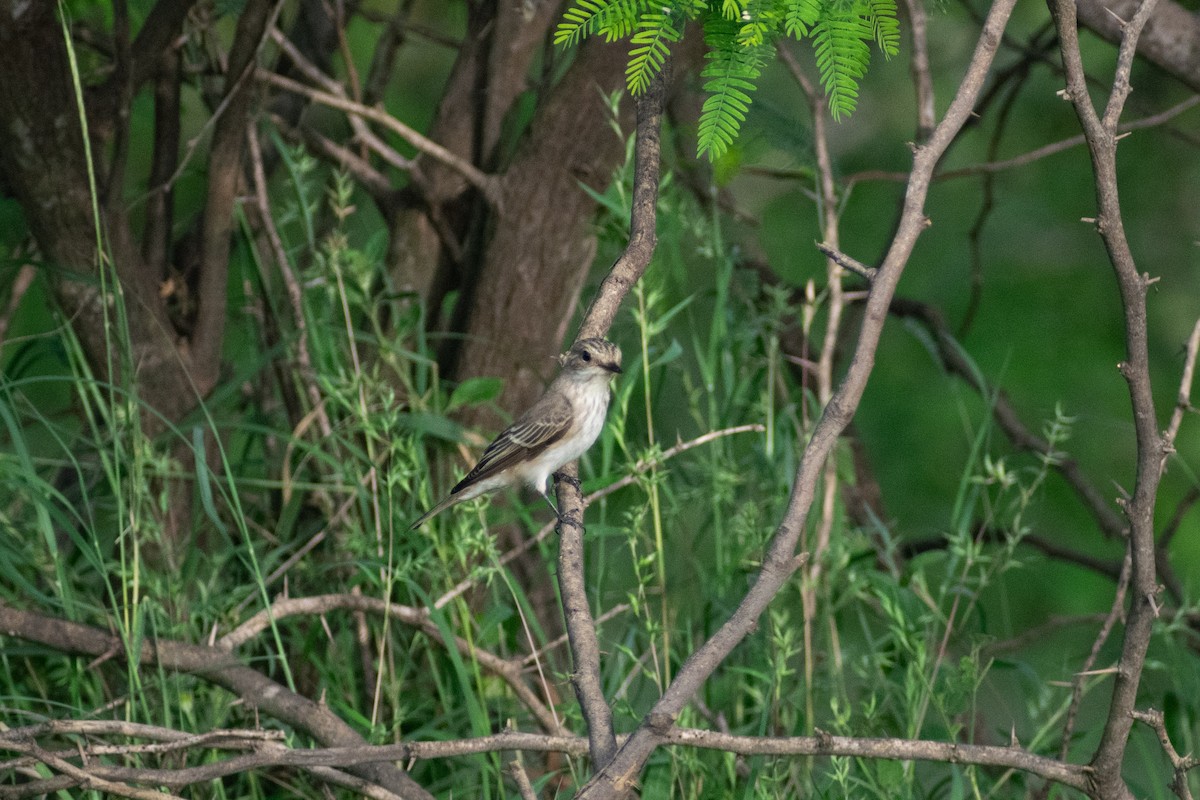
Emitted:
pixel 571 518
pixel 570 480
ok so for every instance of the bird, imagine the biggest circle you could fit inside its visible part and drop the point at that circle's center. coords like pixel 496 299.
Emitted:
pixel 556 430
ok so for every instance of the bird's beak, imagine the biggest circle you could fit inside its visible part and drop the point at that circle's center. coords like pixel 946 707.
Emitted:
pixel 613 368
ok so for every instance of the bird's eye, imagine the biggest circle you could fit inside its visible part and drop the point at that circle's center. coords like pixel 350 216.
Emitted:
pixel 586 356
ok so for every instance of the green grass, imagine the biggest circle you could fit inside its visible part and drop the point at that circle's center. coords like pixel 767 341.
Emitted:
pixel 899 646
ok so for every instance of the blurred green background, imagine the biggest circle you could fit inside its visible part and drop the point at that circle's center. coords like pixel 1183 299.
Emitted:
pixel 706 341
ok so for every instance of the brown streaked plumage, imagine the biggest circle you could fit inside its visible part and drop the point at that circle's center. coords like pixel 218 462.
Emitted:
pixel 557 429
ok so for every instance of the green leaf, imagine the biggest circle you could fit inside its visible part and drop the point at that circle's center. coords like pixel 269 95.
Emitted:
pixel 800 16
pixel 885 26
pixel 434 425
pixel 579 21
pixel 840 45
pixel 614 19
pixel 732 69
pixel 650 49
pixel 474 391
pixel 732 9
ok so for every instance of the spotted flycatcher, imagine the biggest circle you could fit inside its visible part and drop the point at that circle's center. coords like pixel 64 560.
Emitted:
pixel 557 429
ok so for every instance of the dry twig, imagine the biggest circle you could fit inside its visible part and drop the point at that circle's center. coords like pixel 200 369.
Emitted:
pixel 1100 130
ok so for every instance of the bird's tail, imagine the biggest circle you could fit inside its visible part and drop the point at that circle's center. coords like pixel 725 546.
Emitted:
pixel 433 512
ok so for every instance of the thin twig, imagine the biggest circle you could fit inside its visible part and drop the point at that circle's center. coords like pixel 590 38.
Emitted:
pixel 1031 156
pixel 841 259
pixel 628 270
pixel 20 285
pixel 918 26
pixel 827 203
pixel 535 656
pixel 1114 614
pixel 953 360
pixel 278 755
pixel 1101 134
pixel 1183 402
pixel 362 131
pixel 308 375
pixel 488 186
pixel 1180 765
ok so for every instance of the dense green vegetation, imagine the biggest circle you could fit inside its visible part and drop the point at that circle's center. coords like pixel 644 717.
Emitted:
pixel 956 581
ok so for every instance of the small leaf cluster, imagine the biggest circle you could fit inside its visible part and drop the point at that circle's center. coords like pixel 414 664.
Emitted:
pixel 740 35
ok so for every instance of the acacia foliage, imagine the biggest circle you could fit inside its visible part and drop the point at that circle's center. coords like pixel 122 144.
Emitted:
pixel 740 36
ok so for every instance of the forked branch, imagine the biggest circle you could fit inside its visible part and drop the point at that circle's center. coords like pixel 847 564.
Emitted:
pixel 781 559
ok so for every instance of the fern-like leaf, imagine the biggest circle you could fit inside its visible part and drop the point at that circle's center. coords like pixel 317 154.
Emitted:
pixel 651 44
pixel 614 19
pixel 800 16
pixel 840 45
pixel 732 9
pixel 760 21
pixel 753 33
pixel 885 26
pixel 732 70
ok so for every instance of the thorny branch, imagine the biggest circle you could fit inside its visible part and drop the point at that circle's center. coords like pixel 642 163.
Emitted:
pixel 781 560
pixel 628 270
pixel 1101 134
pixel 267 750
pixel 1180 765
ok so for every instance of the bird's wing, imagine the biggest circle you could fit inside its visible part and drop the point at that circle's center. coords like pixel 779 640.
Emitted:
pixel 541 426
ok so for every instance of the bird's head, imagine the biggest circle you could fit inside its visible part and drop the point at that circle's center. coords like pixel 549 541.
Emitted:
pixel 592 357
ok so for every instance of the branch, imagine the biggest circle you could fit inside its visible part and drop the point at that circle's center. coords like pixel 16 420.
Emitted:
pixel 87 776
pixel 487 185
pixel 276 754
pixel 823 744
pixel 224 176
pixel 1171 39
pixel 581 629
pixel 218 667
pixel 1101 134
pixel 168 740
pixel 509 671
pixel 1180 765
pixel 781 560
pixel 521 778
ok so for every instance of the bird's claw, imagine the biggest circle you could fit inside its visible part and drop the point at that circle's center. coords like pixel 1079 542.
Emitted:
pixel 570 518
pixel 570 480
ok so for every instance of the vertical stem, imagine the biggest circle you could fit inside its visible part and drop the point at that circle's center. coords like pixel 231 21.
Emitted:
pixel 581 628
pixel 1101 136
